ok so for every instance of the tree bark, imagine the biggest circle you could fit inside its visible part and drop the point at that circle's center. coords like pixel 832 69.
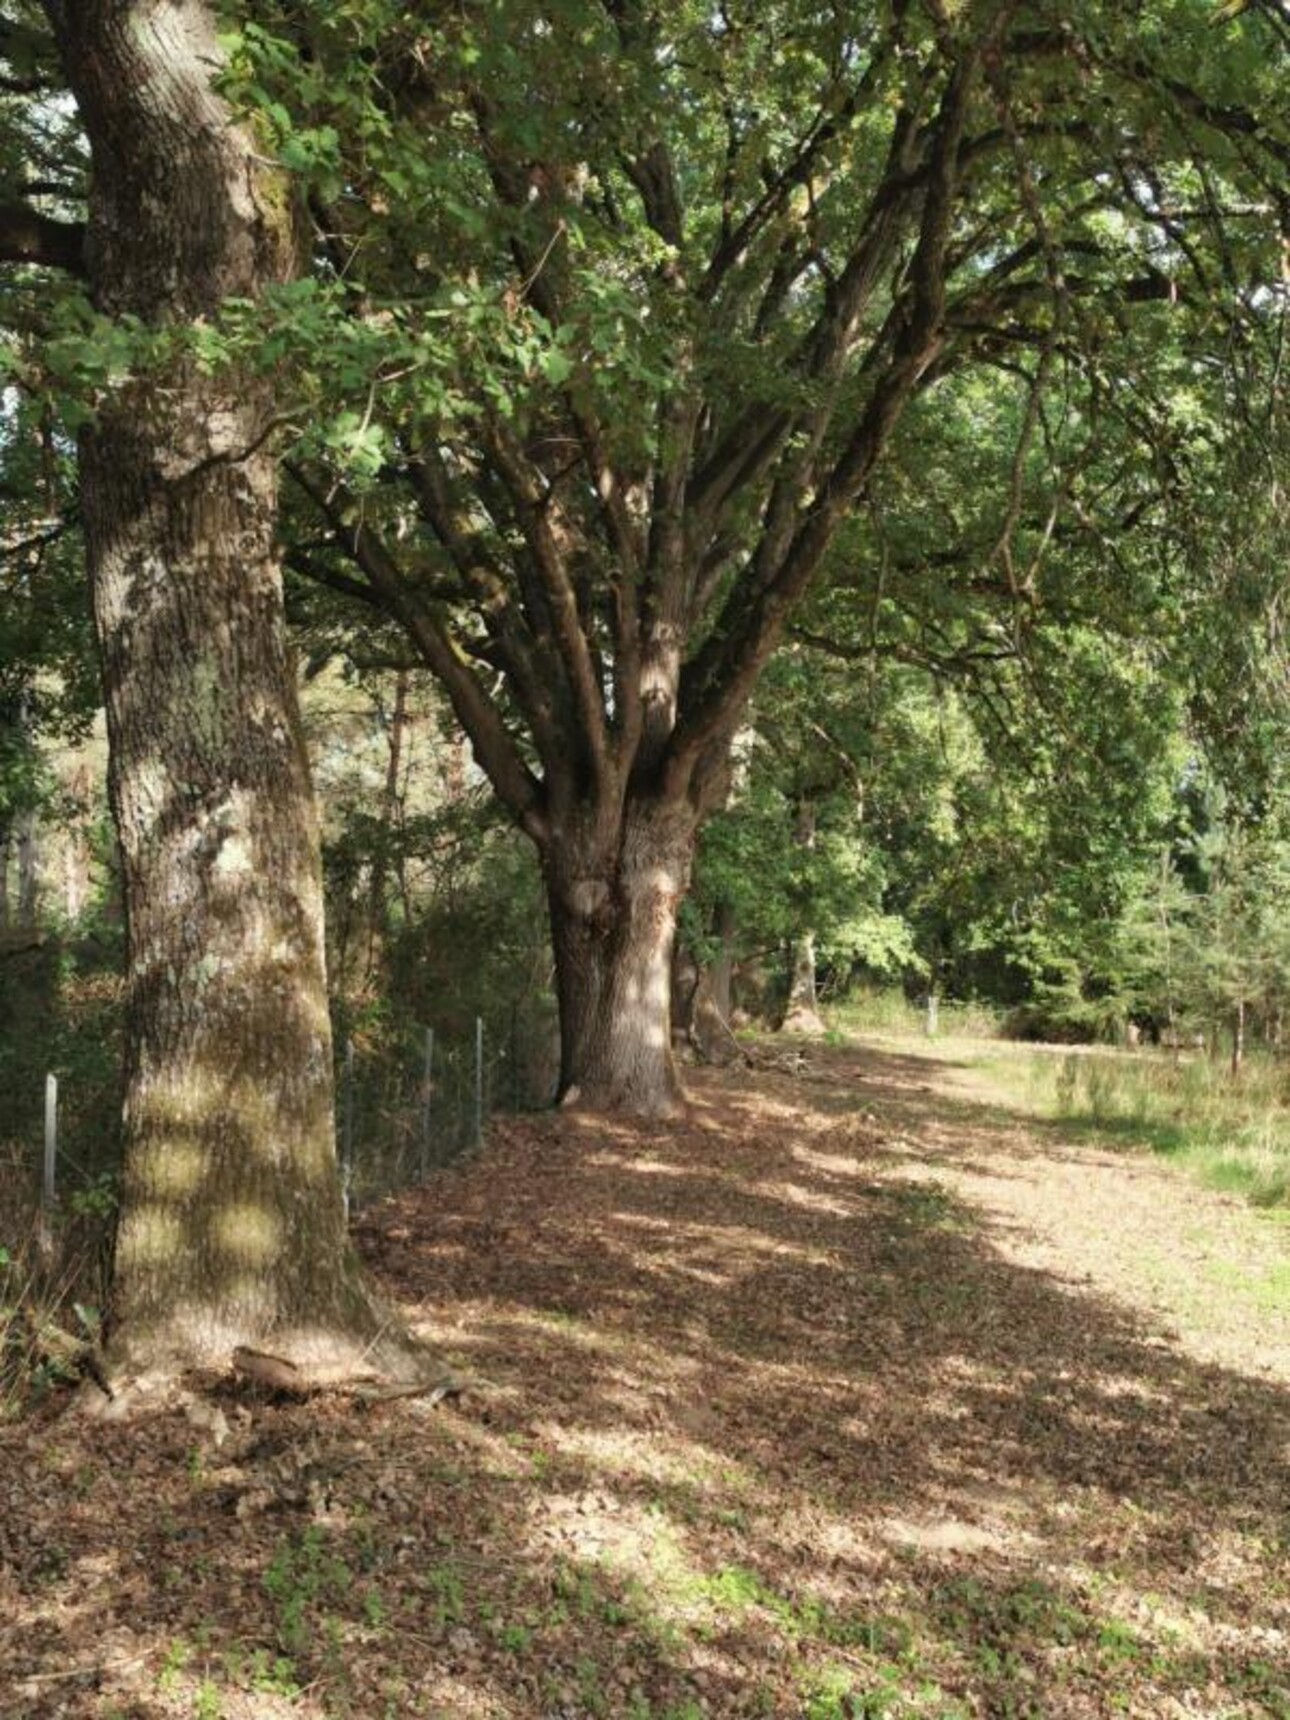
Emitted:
pixel 232 1228
pixel 802 1013
pixel 722 971
pixel 378 919
pixel 28 846
pixel 613 907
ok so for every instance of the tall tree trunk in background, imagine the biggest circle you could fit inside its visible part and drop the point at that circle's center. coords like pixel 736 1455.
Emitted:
pixel 701 995
pixel 19 846
pixel 1238 1036
pixel 77 852
pixel 27 843
pixel 802 1014
pixel 723 967
pixel 377 913
pixel 6 845
pixel 232 1228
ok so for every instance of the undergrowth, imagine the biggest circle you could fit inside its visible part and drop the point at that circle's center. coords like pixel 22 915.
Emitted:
pixel 1233 1132
pixel 885 1010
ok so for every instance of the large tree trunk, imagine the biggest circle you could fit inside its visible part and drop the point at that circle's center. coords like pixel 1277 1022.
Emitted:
pixel 613 909
pixel 232 1227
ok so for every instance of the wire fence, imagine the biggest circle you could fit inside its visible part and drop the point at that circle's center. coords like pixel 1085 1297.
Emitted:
pixel 401 1114
pixel 407 1103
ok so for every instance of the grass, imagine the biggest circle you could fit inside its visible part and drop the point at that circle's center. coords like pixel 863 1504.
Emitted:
pixel 890 1011
pixel 1232 1133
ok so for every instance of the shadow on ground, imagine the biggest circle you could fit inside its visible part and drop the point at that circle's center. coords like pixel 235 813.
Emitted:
pixel 761 1427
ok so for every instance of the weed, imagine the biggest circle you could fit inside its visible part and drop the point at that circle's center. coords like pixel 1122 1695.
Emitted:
pixel 206 1702
pixel 269 1675
pixel 173 1663
pixel 301 1573
pixel 449 1595
pixel 1118 1641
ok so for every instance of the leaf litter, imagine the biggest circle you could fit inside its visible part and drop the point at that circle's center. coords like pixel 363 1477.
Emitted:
pixel 842 1397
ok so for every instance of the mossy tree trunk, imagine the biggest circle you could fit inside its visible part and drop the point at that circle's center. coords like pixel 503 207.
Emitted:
pixel 232 1227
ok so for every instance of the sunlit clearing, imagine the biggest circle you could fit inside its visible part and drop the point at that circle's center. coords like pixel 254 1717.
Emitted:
pixel 660 1457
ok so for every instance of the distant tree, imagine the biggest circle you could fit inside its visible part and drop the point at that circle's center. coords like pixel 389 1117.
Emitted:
pixel 618 311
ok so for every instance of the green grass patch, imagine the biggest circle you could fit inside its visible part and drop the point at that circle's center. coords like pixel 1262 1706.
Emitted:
pixel 890 1011
pixel 1232 1132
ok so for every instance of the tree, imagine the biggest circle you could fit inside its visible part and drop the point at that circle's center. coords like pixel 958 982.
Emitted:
pixel 232 1229
pixel 601 382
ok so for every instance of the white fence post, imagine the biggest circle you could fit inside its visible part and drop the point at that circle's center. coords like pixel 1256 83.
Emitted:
pixel 49 1183
pixel 479 1080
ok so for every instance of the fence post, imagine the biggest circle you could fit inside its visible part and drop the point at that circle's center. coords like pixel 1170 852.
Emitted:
pixel 479 1080
pixel 515 1057
pixel 933 1014
pixel 49 1189
pixel 347 1124
pixel 426 1089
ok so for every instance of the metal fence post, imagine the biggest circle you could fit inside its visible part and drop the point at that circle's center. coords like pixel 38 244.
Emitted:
pixel 347 1124
pixel 426 1091
pixel 49 1188
pixel 479 1080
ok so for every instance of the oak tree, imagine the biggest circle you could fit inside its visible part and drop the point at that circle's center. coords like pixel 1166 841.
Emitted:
pixel 232 1229
pixel 616 308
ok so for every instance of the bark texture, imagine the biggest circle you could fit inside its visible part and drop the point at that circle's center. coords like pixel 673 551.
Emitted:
pixel 232 1228
pixel 802 1013
pixel 613 924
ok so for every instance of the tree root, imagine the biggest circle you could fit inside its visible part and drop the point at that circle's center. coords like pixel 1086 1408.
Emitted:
pixel 280 1374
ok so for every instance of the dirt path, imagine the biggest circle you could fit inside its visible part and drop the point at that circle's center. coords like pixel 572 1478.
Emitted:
pixel 1214 1272
pixel 849 1398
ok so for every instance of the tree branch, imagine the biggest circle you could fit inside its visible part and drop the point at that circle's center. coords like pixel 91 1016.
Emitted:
pixel 517 788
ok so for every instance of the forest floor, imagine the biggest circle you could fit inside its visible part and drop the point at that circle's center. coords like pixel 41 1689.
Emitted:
pixel 861 1393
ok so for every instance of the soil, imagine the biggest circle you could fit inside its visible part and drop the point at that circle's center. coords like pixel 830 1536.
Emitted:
pixel 853 1394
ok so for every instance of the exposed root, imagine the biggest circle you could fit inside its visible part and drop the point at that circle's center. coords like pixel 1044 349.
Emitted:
pixel 804 1022
pixel 280 1374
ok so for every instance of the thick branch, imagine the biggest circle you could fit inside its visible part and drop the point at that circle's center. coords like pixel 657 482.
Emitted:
pixel 517 788
pixel 531 503
pixel 723 674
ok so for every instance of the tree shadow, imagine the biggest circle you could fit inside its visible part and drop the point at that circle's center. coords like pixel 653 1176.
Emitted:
pixel 758 1426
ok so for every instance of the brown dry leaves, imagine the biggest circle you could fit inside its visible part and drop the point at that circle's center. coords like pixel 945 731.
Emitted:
pixel 777 1413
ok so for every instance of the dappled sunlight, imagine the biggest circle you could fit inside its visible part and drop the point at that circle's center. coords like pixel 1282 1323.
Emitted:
pixel 811 1199
pixel 647 1456
pixel 778 1403
pixel 832 1164
pixel 729 1241
pixel 246 1233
